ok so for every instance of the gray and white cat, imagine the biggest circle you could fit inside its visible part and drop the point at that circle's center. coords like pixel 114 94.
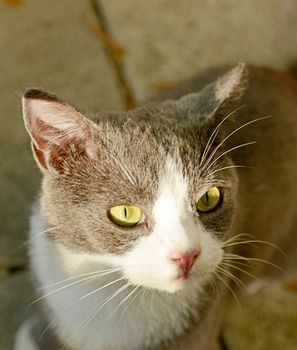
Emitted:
pixel 142 213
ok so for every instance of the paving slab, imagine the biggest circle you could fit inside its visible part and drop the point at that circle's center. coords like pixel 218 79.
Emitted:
pixel 168 40
pixel 16 293
pixel 267 320
pixel 48 44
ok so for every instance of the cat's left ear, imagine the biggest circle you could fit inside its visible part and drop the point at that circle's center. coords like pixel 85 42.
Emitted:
pixel 219 97
pixel 55 128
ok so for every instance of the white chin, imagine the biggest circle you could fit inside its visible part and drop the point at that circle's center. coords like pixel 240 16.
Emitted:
pixel 176 286
pixel 171 286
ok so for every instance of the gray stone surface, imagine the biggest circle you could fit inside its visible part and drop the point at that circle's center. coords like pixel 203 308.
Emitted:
pixel 169 40
pixel 48 44
pixel 16 293
pixel 268 320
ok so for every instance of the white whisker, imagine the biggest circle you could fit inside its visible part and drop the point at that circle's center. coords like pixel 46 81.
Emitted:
pixel 238 257
pixel 240 235
pixel 145 289
pixel 231 276
pixel 97 273
pixel 62 288
pixel 231 167
pixel 131 301
pixel 95 310
pixel 36 235
pixel 152 300
pixel 228 287
pixel 55 319
pixel 120 290
pixel 228 151
pixel 240 269
pixel 232 133
pixel 102 287
pixel 214 286
pixel 214 135
pixel 250 242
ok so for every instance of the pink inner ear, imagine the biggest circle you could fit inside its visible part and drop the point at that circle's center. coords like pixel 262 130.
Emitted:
pixel 44 134
pixel 54 158
pixel 39 156
pixel 53 127
pixel 53 123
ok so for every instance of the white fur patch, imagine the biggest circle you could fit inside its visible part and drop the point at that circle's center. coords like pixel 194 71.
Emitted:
pixel 87 315
pixel 175 231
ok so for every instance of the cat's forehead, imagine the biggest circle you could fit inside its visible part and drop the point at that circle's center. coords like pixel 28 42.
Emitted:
pixel 152 129
pixel 139 148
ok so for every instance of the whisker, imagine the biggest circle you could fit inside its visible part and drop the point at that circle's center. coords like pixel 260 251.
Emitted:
pixel 36 235
pixel 135 296
pixel 259 242
pixel 214 135
pixel 120 304
pixel 240 263
pixel 62 288
pixel 231 167
pixel 60 313
pixel 233 238
pixel 97 273
pixel 238 257
pixel 93 314
pixel 232 133
pixel 152 300
pixel 249 243
pixel 145 289
pixel 120 290
pixel 102 287
pixel 214 286
pixel 232 277
pixel 230 289
pixel 240 269
pixel 55 320
pixel 228 151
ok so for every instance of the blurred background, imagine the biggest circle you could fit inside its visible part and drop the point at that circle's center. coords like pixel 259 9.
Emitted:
pixel 112 55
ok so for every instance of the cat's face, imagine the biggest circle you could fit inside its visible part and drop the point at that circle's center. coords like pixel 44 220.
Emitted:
pixel 142 190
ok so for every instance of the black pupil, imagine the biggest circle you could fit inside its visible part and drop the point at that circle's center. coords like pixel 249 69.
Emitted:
pixel 125 211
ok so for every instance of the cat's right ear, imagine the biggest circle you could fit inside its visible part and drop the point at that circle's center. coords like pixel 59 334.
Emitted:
pixel 220 97
pixel 55 127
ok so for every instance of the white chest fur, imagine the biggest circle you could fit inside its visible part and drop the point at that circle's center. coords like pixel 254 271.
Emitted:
pixel 89 316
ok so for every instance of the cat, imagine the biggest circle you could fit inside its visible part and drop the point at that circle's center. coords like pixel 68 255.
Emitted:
pixel 140 228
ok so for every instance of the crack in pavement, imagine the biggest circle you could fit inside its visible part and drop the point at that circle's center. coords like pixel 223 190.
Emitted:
pixel 114 51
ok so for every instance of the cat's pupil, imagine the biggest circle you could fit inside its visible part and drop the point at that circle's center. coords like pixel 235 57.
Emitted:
pixel 125 212
pixel 206 198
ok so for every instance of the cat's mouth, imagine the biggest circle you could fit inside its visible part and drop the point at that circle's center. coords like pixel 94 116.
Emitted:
pixel 182 280
pixel 185 275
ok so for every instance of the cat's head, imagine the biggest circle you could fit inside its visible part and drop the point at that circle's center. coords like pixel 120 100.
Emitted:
pixel 147 190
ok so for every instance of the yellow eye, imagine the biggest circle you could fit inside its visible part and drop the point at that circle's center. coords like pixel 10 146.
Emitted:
pixel 209 201
pixel 125 215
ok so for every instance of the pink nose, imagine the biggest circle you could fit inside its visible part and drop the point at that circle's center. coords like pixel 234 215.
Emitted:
pixel 185 260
